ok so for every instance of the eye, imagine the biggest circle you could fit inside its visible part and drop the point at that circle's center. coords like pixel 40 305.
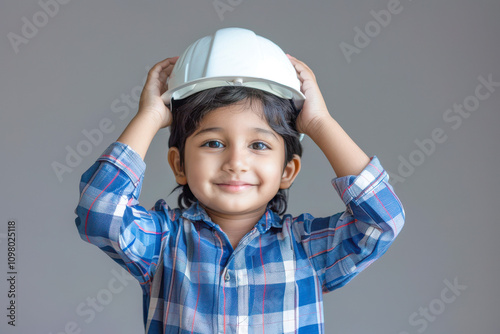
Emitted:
pixel 259 146
pixel 213 144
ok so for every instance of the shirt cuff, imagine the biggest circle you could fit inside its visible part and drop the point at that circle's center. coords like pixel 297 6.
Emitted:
pixel 353 187
pixel 125 158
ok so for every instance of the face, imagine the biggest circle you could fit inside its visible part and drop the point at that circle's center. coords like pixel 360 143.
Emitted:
pixel 234 163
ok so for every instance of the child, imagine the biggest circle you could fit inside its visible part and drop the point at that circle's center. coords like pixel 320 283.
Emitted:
pixel 228 260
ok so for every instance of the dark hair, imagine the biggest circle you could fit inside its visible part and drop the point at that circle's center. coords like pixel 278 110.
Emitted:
pixel 280 114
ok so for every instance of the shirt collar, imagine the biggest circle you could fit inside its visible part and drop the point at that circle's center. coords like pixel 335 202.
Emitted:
pixel 196 213
pixel 269 219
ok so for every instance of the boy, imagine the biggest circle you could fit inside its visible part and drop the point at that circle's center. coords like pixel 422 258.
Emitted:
pixel 225 261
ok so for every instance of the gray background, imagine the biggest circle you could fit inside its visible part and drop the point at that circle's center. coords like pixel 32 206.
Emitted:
pixel 396 90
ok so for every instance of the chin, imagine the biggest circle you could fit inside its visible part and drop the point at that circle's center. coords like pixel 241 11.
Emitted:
pixel 234 209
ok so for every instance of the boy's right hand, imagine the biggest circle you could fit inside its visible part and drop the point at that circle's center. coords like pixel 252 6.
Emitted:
pixel 151 102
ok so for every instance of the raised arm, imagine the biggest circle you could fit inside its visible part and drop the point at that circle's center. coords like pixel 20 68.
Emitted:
pixel 344 155
pixel 108 212
pixel 153 114
pixel 343 245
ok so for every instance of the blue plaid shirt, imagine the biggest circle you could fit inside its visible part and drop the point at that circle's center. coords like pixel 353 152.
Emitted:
pixel 273 282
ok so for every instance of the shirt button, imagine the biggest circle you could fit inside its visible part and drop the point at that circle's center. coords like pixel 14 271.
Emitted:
pixel 227 277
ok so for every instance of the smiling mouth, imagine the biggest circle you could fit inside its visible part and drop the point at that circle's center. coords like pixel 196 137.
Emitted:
pixel 234 187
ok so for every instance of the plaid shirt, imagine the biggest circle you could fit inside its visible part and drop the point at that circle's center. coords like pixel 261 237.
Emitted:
pixel 192 279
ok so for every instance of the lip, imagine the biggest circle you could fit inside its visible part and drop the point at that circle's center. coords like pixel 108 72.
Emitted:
pixel 234 186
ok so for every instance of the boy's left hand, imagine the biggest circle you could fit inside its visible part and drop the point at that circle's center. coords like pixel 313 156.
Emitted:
pixel 314 109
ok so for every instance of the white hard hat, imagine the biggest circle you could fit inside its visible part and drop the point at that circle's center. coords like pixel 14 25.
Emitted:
pixel 234 57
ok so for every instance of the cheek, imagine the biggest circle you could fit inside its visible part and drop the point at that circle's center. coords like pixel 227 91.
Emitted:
pixel 194 171
pixel 195 180
pixel 199 168
pixel 272 171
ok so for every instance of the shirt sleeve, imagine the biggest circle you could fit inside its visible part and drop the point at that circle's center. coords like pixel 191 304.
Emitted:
pixel 109 215
pixel 341 246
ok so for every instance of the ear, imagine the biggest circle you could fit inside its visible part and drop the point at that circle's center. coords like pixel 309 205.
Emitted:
pixel 174 160
pixel 290 172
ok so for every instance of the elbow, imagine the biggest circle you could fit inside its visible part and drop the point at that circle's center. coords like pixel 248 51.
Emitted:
pixel 80 222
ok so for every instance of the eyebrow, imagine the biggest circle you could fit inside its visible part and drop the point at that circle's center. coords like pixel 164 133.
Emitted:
pixel 207 130
pixel 217 129
pixel 265 131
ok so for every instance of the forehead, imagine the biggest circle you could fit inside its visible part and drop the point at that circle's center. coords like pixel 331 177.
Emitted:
pixel 237 120
pixel 238 114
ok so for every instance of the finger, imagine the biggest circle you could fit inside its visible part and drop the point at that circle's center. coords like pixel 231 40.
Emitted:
pixel 300 65
pixel 158 74
pixel 294 61
pixel 303 71
pixel 166 63
pixel 165 72
pixel 163 78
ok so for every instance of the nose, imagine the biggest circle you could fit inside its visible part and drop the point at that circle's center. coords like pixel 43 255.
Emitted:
pixel 236 160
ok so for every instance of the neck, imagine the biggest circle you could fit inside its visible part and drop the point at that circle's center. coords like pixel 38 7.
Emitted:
pixel 236 226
